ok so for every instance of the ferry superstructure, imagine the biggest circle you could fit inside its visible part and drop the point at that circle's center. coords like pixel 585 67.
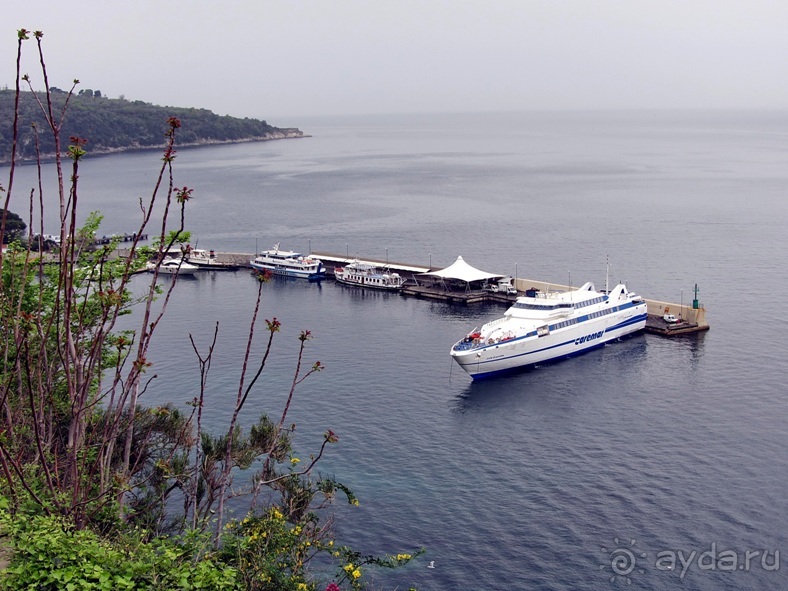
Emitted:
pixel 289 264
pixel 542 327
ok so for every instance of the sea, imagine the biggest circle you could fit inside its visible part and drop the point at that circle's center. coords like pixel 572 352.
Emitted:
pixel 651 463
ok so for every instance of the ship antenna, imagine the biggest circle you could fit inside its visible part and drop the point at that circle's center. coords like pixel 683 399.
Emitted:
pixel 607 273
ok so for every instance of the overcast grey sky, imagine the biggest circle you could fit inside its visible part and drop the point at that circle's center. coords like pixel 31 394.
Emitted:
pixel 270 59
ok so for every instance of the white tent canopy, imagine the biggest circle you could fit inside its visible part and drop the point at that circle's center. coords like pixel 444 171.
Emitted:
pixel 461 271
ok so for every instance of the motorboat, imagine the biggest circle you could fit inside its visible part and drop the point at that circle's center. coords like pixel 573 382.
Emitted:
pixel 368 275
pixel 289 264
pixel 207 260
pixel 173 266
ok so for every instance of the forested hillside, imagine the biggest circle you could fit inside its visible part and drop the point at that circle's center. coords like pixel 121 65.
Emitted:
pixel 118 124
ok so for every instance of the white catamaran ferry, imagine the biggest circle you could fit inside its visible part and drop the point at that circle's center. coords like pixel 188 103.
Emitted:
pixel 542 327
pixel 368 275
pixel 289 263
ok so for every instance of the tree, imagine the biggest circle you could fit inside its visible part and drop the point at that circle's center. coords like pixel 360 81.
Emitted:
pixel 14 226
pixel 116 124
pixel 79 451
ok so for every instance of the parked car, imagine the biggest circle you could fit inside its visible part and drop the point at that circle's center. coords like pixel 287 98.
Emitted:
pixel 503 286
pixel 670 319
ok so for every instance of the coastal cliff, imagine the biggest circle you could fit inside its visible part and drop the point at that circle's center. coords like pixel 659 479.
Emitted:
pixel 118 125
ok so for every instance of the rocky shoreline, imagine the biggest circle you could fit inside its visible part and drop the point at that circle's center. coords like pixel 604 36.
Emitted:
pixel 279 134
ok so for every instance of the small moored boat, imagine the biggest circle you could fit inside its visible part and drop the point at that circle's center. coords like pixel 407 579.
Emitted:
pixel 289 264
pixel 207 260
pixel 172 266
pixel 368 275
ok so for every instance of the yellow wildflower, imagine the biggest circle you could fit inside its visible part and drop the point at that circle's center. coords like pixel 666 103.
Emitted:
pixel 356 573
pixel 294 461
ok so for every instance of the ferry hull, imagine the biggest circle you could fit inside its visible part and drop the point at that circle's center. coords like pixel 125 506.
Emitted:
pixel 508 356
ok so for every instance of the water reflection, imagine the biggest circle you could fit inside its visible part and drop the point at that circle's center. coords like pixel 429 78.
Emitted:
pixel 563 379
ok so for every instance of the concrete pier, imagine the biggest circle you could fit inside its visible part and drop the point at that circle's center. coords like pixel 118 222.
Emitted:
pixel 333 260
pixel 691 319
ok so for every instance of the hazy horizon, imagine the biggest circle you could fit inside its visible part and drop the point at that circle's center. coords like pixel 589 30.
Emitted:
pixel 277 60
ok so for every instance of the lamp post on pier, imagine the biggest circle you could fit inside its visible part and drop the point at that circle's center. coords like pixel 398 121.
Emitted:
pixel 681 305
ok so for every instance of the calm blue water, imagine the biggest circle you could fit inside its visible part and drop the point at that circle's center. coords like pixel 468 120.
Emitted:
pixel 538 480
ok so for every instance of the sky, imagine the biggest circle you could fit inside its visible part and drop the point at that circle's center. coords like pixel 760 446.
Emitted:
pixel 278 59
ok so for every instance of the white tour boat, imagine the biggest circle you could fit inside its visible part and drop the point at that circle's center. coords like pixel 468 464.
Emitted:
pixel 368 275
pixel 171 266
pixel 289 263
pixel 541 327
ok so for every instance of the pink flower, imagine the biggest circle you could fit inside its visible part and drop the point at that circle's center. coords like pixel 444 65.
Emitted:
pixel 333 587
pixel 183 195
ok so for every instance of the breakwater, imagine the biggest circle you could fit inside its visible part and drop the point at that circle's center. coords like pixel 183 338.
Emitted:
pixel 691 314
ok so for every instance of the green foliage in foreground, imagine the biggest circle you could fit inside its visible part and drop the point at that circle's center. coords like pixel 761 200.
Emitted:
pixel 262 552
pixel 97 491
pixel 49 554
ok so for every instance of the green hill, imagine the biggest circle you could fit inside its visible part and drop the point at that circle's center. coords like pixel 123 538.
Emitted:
pixel 114 125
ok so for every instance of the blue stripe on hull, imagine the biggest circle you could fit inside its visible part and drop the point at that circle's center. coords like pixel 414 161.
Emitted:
pixel 527 366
